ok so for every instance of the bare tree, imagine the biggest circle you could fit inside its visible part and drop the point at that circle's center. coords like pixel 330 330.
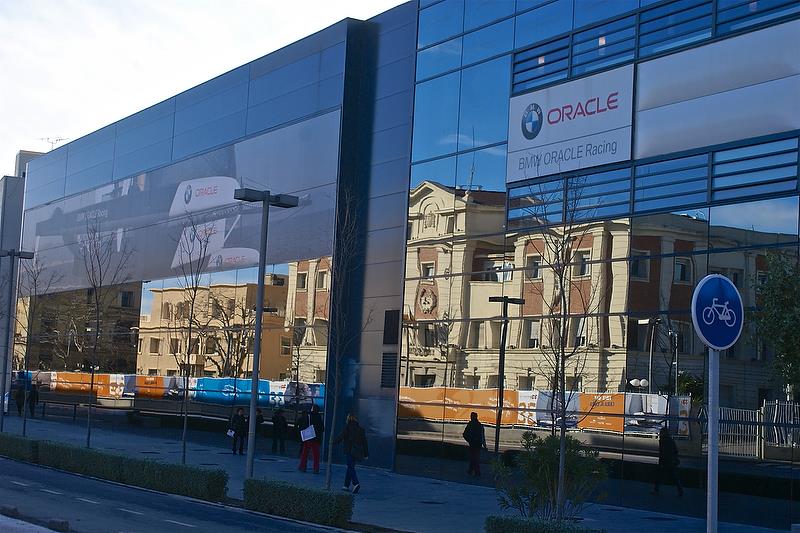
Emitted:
pixel 34 281
pixel 345 264
pixel 105 260
pixel 192 257
pixel 231 328
pixel 569 287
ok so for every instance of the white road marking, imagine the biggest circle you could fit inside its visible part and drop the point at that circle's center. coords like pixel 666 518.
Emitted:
pixel 179 523
pixel 128 511
pixel 87 500
pixel 20 484
pixel 52 491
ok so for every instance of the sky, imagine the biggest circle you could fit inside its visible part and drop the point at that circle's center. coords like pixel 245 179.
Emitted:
pixel 70 67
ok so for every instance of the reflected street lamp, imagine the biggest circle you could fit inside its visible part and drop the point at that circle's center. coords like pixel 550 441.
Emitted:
pixel 653 323
pixel 267 200
pixel 13 255
pixel 501 371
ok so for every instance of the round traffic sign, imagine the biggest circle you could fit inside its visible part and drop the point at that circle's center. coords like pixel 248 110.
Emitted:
pixel 717 312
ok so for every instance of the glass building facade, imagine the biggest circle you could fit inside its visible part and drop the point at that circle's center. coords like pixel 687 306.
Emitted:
pixel 595 159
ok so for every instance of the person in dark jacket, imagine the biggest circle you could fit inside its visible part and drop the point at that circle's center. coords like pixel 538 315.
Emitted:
pixel 667 461
pixel 19 398
pixel 239 428
pixel 33 399
pixel 475 435
pixel 280 427
pixel 308 419
pixel 355 449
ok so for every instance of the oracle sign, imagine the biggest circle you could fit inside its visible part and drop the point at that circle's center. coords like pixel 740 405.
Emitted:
pixel 574 125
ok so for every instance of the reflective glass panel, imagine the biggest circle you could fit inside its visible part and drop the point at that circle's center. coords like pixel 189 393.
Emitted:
pixel 484 104
pixel 436 117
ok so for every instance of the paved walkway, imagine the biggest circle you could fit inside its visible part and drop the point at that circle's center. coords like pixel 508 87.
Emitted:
pixel 12 525
pixel 389 500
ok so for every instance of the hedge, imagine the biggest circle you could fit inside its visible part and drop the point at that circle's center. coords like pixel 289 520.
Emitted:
pixel 300 503
pixel 187 480
pixel 20 448
pixel 507 524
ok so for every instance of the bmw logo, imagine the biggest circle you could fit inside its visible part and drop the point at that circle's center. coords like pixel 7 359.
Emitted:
pixel 532 121
pixel 187 195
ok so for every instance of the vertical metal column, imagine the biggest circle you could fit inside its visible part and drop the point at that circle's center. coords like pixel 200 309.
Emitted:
pixel 713 440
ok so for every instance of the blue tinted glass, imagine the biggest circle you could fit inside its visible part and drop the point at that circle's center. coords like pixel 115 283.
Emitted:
pixel 91 177
pixel 213 87
pixel 211 109
pixel 480 12
pixel 436 117
pixel 670 189
pixel 758 162
pixel 524 5
pixel 47 168
pixel 670 202
pixel 781 223
pixel 543 22
pixel 439 58
pixel 483 170
pixel 755 190
pixel 648 180
pixel 489 42
pixel 212 134
pixel 143 159
pixel 285 79
pixel 780 173
pixel 297 104
pixel 144 135
pixel 588 11
pixel 440 21
pixel 484 104
pixel 671 164
pixel 46 193
pixel 442 171
pixel 758 149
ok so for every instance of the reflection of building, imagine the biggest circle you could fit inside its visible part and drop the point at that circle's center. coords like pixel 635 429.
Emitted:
pixel 621 272
pixel 222 334
pixel 61 335
pixel 307 318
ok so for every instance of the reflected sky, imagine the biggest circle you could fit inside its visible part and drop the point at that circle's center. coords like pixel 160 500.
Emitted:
pixel 769 216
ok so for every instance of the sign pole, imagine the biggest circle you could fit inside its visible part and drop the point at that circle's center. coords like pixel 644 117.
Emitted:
pixel 713 440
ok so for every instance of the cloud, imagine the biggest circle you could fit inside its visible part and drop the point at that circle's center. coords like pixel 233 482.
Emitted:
pixel 73 66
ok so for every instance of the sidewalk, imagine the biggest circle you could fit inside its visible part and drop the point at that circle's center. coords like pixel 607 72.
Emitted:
pixel 388 500
pixel 12 525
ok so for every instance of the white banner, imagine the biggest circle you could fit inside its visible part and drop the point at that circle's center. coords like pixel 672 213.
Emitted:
pixel 579 124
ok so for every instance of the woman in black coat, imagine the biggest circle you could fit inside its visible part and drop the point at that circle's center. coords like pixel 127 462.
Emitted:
pixel 355 449
pixel 667 461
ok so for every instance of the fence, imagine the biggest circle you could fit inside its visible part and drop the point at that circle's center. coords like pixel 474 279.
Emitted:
pixel 740 432
pixel 781 421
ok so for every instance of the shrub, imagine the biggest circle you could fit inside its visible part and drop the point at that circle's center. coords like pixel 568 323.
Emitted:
pixel 80 460
pixel 200 483
pixel 300 503
pixel 186 480
pixel 19 448
pixel 507 524
pixel 528 483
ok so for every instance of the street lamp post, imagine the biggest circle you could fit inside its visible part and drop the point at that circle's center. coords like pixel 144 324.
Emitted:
pixel 653 323
pixel 505 300
pixel 266 199
pixel 12 255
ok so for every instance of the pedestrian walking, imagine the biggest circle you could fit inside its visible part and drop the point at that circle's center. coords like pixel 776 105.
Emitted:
pixel 280 427
pixel 475 435
pixel 311 429
pixel 355 449
pixel 19 397
pixel 668 461
pixel 238 429
pixel 33 399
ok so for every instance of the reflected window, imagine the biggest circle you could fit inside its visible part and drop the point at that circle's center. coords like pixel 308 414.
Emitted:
pixel 579 331
pixel 745 224
pixel 531 333
pixel 640 265
pixel 302 280
pixel 488 42
pixel 582 263
pixel 424 380
pixel 154 345
pixel 682 270
pixel 438 59
pixel 126 299
pixel 428 270
pixel 533 267
pixel 525 382
pixel 322 277
pixel 286 346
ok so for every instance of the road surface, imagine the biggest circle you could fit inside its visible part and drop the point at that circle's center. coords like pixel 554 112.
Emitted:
pixel 92 506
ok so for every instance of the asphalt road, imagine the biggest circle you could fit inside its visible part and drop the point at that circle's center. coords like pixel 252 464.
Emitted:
pixel 92 506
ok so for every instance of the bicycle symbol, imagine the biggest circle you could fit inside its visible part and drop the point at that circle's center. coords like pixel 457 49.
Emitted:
pixel 719 311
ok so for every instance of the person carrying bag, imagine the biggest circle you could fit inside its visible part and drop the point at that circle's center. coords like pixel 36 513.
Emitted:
pixel 311 429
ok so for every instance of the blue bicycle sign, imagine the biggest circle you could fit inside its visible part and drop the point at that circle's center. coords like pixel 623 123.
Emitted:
pixel 717 312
